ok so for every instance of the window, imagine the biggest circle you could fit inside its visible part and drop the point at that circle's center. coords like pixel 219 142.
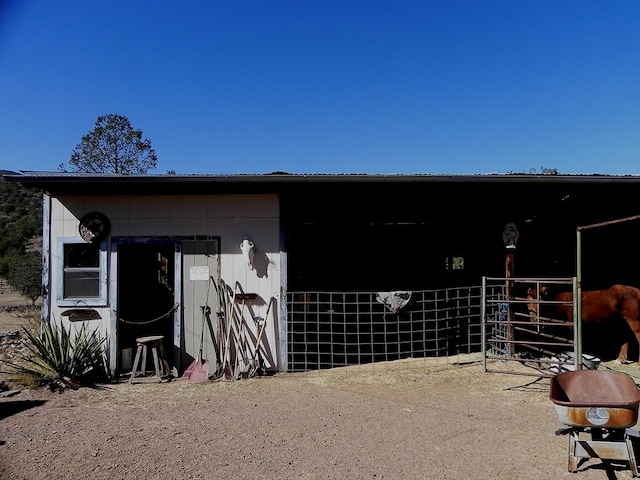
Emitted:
pixel 82 273
pixel 454 263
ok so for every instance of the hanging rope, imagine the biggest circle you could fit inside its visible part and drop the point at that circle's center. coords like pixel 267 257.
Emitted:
pixel 146 322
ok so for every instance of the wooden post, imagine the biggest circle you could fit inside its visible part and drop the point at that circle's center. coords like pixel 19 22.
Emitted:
pixel 510 238
pixel 508 266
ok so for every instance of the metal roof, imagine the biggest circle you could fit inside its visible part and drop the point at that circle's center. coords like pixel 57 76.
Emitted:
pixel 86 183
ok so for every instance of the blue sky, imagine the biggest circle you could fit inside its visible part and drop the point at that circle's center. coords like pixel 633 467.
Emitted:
pixel 324 86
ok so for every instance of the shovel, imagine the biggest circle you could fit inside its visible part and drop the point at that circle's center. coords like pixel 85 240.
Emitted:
pixel 200 371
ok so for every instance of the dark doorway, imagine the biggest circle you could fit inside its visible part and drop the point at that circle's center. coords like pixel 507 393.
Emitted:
pixel 145 297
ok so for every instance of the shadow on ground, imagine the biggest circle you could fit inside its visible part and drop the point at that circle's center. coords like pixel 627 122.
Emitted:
pixel 16 406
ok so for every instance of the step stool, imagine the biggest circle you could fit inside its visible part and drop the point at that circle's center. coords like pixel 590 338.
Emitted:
pixel 160 362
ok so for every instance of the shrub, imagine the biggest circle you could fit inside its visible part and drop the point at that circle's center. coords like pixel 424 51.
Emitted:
pixel 60 359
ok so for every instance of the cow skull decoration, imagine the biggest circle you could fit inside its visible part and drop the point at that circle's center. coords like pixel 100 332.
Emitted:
pixel 248 251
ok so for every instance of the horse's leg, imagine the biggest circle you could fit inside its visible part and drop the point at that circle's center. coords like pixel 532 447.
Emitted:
pixel 632 316
pixel 533 307
pixel 622 356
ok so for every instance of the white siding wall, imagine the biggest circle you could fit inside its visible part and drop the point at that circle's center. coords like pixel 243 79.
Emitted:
pixel 229 217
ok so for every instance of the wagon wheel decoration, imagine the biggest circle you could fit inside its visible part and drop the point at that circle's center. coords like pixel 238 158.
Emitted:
pixel 94 227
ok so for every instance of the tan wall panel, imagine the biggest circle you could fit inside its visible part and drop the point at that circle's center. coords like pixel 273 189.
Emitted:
pixel 229 217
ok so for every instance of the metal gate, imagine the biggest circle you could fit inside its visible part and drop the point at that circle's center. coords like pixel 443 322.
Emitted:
pixel 519 325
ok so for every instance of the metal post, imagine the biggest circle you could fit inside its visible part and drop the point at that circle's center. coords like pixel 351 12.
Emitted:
pixel 577 300
pixel 483 324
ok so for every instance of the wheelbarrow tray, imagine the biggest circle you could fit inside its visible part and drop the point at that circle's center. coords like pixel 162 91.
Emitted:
pixel 595 398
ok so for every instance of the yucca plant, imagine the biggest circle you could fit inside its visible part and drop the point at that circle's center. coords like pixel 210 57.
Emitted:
pixel 59 358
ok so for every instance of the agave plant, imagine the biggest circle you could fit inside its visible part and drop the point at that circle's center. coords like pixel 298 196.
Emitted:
pixel 55 355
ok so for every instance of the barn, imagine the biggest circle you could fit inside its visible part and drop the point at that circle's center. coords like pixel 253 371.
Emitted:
pixel 296 272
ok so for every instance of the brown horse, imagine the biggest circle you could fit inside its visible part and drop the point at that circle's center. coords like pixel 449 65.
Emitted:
pixel 597 306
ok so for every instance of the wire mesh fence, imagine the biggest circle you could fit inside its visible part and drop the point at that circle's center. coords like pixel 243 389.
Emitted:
pixel 337 329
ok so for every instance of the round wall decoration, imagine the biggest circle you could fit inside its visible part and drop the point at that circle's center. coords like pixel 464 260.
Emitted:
pixel 94 227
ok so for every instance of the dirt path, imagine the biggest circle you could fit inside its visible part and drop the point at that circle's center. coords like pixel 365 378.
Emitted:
pixel 409 419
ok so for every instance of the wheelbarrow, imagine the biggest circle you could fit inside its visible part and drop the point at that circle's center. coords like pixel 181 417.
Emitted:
pixel 602 405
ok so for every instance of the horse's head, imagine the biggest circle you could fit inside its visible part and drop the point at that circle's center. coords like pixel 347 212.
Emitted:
pixel 542 293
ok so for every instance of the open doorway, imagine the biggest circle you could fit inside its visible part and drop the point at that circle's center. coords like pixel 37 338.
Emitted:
pixel 146 297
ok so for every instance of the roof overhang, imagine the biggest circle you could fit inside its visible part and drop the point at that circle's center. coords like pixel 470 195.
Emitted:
pixel 62 183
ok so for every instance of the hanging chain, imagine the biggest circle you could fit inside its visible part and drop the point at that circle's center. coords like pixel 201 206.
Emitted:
pixel 146 322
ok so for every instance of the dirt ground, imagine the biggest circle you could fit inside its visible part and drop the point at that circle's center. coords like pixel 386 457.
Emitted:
pixel 431 419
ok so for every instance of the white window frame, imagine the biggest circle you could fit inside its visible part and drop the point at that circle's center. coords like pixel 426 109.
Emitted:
pixel 101 300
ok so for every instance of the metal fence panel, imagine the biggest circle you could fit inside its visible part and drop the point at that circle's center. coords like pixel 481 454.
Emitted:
pixel 336 329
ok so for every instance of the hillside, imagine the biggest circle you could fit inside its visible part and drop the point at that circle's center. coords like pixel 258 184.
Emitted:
pixel 20 219
pixel 21 237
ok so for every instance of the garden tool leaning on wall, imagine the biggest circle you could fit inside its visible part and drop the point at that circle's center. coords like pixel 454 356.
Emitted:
pixel 198 371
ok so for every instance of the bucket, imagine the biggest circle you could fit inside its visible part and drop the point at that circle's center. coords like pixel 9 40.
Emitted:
pixel 126 359
pixel 564 362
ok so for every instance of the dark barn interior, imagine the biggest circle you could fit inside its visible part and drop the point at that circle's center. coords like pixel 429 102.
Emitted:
pixel 378 236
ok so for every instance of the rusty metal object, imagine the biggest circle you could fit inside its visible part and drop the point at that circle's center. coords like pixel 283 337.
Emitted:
pixel 600 404
pixel 595 398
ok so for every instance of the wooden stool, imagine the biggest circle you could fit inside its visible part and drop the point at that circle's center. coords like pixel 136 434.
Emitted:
pixel 159 360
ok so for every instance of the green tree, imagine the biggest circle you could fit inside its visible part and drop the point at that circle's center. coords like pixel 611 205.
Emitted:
pixel 25 275
pixel 113 146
